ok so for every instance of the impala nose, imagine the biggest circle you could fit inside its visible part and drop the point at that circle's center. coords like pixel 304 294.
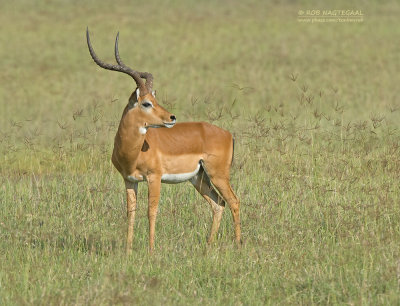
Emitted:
pixel 173 118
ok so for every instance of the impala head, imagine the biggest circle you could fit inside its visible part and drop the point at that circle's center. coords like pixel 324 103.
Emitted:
pixel 151 114
pixel 142 103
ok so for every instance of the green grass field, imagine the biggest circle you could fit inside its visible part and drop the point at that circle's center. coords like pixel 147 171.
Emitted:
pixel 315 110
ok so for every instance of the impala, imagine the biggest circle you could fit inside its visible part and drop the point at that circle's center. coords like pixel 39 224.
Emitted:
pixel 150 146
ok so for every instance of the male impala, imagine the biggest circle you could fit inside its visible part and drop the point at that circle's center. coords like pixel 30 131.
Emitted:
pixel 173 153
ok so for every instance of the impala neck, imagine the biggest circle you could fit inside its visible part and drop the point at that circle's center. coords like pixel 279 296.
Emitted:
pixel 128 141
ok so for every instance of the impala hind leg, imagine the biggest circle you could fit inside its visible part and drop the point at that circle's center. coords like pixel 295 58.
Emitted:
pixel 203 185
pixel 224 188
pixel 131 195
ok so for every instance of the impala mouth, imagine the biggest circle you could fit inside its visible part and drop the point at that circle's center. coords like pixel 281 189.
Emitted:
pixel 169 124
pixel 165 124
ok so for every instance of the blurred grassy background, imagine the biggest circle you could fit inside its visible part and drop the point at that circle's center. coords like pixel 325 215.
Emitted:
pixel 315 112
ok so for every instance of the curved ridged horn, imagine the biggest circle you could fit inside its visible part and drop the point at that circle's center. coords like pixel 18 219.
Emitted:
pixel 120 68
pixel 145 75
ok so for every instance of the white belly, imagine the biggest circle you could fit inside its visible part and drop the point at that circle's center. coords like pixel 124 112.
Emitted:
pixel 179 177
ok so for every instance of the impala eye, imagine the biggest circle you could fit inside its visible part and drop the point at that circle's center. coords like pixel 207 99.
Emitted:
pixel 147 104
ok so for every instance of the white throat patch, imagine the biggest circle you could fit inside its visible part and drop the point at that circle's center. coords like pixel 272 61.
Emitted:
pixel 142 130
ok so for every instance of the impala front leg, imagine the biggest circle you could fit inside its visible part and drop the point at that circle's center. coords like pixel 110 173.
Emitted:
pixel 131 194
pixel 154 184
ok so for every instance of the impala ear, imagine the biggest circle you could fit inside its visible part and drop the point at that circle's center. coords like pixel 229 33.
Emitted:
pixel 133 101
pixel 137 94
pixel 154 93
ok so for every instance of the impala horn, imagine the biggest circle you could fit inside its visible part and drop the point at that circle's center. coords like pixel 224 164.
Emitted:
pixel 137 76
pixel 145 75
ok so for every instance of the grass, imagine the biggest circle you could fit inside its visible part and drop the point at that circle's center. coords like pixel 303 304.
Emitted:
pixel 315 112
